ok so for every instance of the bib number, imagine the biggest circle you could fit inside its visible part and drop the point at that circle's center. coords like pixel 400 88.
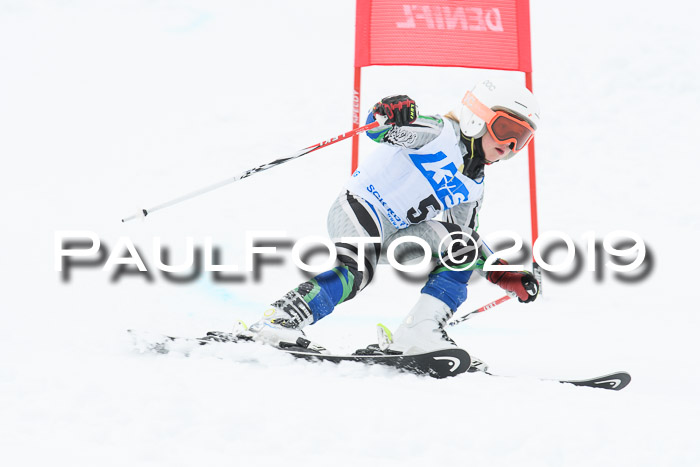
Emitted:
pixel 415 216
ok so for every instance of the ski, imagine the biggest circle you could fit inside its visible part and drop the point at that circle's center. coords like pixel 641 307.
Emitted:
pixel 437 364
pixel 614 381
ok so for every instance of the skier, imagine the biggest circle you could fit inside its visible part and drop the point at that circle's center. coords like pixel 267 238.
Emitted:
pixel 424 166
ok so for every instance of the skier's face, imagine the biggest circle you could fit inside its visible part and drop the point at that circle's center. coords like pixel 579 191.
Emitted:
pixel 493 151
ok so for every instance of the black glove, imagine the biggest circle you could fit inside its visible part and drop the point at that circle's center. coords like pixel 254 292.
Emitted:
pixel 395 110
pixel 522 283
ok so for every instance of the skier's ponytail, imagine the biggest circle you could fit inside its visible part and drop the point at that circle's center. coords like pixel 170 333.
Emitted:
pixel 452 116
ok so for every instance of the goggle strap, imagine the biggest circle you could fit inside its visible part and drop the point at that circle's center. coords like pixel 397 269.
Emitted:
pixel 478 108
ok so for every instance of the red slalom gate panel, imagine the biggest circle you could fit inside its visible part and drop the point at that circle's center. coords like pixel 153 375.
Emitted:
pixel 492 34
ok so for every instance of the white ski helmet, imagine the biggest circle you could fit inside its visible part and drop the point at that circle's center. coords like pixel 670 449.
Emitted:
pixel 499 94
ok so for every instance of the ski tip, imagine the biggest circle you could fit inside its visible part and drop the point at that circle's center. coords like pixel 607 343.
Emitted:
pixel 617 381
pixel 613 381
pixel 625 378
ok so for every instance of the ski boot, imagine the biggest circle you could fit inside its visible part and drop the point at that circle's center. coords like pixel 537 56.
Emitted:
pixel 282 322
pixel 421 331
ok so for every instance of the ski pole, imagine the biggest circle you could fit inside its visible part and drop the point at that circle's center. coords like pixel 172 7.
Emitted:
pixel 492 304
pixel 144 212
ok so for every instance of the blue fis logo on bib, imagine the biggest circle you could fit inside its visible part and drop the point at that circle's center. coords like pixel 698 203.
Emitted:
pixel 441 174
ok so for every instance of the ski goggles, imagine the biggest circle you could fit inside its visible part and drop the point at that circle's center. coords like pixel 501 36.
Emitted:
pixel 504 127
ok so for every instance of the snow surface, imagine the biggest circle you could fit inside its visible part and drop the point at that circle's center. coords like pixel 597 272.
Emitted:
pixel 108 107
